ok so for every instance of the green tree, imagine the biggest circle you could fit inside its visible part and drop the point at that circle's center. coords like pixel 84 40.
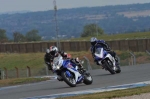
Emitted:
pixel 3 36
pixel 18 37
pixel 33 35
pixel 92 30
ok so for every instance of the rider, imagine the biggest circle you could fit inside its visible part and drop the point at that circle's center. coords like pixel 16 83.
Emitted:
pixel 53 52
pixel 49 56
pixel 95 42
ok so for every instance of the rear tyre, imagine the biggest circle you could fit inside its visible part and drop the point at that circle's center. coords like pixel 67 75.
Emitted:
pixel 69 80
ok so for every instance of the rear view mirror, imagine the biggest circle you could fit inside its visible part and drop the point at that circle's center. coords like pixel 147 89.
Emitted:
pixel 82 62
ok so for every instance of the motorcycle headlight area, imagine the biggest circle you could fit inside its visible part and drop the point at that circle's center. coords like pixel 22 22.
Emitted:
pixel 57 67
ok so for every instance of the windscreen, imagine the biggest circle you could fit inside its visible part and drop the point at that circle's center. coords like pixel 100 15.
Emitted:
pixel 98 50
pixel 58 61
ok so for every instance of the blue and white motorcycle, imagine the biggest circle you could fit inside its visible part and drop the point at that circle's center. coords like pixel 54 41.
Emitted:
pixel 70 73
pixel 106 60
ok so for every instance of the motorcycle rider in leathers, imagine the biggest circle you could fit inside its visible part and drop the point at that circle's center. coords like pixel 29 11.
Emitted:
pixel 95 42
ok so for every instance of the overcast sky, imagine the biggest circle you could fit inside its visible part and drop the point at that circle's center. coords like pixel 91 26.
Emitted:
pixel 43 5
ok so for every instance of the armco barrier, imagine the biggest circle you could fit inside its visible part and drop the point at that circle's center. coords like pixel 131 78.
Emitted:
pixel 135 45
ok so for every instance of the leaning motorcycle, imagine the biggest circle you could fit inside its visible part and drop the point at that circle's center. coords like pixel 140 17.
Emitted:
pixel 106 60
pixel 70 73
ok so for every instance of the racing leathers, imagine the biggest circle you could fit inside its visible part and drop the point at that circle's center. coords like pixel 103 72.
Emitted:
pixel 103 44
pixel 48 58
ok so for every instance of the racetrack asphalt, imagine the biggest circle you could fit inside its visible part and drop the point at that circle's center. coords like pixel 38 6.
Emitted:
pixel 101 78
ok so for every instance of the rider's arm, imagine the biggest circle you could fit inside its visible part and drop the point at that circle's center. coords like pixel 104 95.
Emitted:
pixel 104 44
pixel 46 58
pixel 63 54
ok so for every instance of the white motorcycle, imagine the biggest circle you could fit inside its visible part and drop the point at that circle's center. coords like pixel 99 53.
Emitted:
pixel 70 73
pixel 106 60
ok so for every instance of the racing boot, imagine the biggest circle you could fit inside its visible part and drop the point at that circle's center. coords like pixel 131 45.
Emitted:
pixel 117 62
pixel 59 78
pixel 49 67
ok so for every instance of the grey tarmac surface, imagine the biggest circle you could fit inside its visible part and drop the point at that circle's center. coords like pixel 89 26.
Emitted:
pixel 101 78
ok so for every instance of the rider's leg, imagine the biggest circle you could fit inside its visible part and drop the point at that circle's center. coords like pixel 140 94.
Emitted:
pixel 115 57
pixel 117 61
pixel 49 67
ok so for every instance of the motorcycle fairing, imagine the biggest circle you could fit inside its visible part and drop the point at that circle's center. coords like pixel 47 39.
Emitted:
pixel 71 67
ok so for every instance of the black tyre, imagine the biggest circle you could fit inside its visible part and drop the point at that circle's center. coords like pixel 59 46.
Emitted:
pixel 118 69
pixel 109 66
pixel 87 79
pixel 69 80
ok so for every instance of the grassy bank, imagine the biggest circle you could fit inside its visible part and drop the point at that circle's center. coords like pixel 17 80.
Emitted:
pixel 123 36
pixel 33 60
pixel 36 60
pixel 113 94
pixel 19 81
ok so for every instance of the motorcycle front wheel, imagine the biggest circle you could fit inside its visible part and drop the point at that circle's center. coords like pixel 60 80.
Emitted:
pixel 87 79
pixel 69 80
pixel 118 69
pixel 109 66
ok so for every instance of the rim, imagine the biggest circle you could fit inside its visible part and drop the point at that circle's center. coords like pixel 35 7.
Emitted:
pixel 89 78
pixel 70 79
pixel 110 64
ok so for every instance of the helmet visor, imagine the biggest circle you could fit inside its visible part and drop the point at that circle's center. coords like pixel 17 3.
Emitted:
pixel 93 43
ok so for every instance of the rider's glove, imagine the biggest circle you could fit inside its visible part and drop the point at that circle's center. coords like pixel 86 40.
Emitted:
pixel 48 63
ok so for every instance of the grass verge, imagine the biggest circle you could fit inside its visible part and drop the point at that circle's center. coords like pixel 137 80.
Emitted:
pixel 113 94
pixel 19 81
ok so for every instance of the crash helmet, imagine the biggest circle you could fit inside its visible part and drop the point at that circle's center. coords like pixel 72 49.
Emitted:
pixel 93 41
pixel 53 50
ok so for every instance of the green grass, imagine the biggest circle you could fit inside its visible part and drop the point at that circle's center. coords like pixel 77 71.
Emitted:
pixel 137 35
pixel 19 81
pixel 36 60
pixel 21 61
pixel 113 94
pixel 12 60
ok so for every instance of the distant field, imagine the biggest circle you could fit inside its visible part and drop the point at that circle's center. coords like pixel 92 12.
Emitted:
pixel 131 14
pixel 124 36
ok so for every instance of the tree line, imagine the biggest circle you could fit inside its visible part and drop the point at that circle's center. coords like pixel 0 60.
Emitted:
pixel 33 35
pixel 72 21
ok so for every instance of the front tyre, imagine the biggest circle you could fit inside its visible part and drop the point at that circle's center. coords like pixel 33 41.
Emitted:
pixel 109 66
pixel 69 80
pixel 118 69
pixel 87 79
